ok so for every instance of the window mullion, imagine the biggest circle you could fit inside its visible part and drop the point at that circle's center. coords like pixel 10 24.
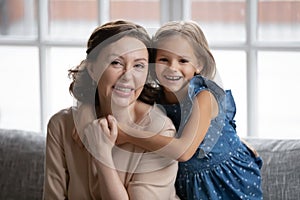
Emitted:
pixel 186 10
pixel 251 31
pixel 164 11
pixel 103 11
pixel 42 31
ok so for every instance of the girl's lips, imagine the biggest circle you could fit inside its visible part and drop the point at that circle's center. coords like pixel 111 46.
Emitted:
pixel 173 78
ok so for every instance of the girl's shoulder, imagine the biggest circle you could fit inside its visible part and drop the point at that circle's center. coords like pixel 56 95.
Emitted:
pixel 199 83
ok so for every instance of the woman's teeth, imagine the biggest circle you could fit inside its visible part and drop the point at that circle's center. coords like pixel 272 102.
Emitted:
pixel 122 89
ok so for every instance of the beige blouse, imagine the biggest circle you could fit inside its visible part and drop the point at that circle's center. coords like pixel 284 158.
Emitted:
pixel 71 174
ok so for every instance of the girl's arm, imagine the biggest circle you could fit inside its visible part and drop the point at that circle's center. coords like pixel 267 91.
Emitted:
pixel 183 148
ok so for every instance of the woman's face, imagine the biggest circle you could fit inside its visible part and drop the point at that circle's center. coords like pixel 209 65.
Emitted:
pixel 176 63
pixel 125 64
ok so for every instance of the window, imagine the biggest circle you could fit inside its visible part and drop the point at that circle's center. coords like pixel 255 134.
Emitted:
pixel 256 52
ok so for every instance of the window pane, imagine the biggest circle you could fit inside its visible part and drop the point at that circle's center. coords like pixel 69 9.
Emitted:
pixel 72 19
pixel 143 12
pixel 273 26
pixel 18 18
pixel 231 67
pixel 221 20
pixel 279 94
pixel 58 96
pixel 19 100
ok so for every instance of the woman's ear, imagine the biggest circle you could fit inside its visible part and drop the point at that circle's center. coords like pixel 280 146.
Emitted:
pixel 90 69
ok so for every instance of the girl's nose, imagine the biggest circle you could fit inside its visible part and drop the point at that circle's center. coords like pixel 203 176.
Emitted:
pixel 174 65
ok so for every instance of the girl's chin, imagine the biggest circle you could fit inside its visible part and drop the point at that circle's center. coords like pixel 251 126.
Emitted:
pixel 173 88
pixel 176 88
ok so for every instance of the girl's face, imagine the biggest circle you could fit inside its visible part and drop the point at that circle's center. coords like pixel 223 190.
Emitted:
pixel 176 63
pixel 122 67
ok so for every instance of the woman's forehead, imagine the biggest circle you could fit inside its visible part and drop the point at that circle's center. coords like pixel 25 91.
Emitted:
pixel 126 45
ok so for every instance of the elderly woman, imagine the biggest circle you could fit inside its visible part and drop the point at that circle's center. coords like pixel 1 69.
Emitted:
pixel 82 159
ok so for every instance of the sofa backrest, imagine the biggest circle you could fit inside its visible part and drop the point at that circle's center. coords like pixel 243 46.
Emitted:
pixel 281 167
pixel 21 164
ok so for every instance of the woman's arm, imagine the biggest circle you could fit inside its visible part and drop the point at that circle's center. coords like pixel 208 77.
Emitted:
pixel 56 171
pixel 183 148
pixel 100 137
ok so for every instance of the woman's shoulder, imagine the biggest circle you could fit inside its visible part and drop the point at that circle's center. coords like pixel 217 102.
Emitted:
pixel 61 118
pixel 62 114
pixel 157 121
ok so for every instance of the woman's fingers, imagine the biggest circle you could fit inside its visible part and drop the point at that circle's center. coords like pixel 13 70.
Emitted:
pixel 112 122
pixel 104 126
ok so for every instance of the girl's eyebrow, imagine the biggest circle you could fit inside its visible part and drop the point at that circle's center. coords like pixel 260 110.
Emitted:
pixel 181 56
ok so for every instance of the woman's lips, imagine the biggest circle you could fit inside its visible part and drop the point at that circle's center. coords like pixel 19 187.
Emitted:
pixel 123 91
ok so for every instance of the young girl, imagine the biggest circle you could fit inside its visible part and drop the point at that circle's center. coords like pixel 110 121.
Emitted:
pixel 215 163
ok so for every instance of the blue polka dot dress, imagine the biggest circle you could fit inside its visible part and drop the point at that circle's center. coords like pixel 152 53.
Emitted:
pixel 222 167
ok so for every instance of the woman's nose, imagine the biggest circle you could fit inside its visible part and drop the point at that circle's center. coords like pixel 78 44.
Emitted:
pixel 127 74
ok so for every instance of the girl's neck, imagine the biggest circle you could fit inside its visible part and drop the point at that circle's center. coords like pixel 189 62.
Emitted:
pixel 170 97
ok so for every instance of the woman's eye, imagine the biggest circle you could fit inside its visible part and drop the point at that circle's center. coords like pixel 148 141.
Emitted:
pixel 139 66
pixel 116 63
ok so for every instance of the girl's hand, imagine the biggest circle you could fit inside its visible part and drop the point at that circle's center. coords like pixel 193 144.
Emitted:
pixel 122 137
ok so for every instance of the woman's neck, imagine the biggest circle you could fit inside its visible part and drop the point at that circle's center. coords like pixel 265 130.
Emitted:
pixel 131 112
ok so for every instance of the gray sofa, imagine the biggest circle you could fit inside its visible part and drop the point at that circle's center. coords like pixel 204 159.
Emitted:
pixel 22 166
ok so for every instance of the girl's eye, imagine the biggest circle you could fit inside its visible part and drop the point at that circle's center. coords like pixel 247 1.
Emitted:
pixel 163 60
pixel 183 61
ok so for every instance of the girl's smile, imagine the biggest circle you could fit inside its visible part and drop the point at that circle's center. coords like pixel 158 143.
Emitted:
pixel 176 63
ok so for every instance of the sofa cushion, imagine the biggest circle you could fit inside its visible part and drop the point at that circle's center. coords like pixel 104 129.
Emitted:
pixel 281 168
pixel 21 164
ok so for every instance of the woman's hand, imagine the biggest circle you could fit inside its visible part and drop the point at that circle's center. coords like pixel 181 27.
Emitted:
pixel 99 138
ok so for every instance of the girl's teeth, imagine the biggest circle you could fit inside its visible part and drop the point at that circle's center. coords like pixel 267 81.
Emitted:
pixel 173 77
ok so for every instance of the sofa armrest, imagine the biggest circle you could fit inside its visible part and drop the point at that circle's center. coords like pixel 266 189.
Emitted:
pixel 281 167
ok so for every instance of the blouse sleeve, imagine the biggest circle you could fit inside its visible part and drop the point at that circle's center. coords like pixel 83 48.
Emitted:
pixel 56 173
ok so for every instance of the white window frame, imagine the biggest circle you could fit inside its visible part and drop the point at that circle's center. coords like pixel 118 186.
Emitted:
pixel 170 10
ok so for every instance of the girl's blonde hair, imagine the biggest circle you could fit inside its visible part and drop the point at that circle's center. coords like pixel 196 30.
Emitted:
pixel 193 33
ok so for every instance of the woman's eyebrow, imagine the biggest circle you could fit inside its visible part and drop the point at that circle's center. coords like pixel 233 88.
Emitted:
pixel 115 55
pixel 141 59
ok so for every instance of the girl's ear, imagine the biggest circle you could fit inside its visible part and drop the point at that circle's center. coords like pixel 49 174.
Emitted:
pixel 199 69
